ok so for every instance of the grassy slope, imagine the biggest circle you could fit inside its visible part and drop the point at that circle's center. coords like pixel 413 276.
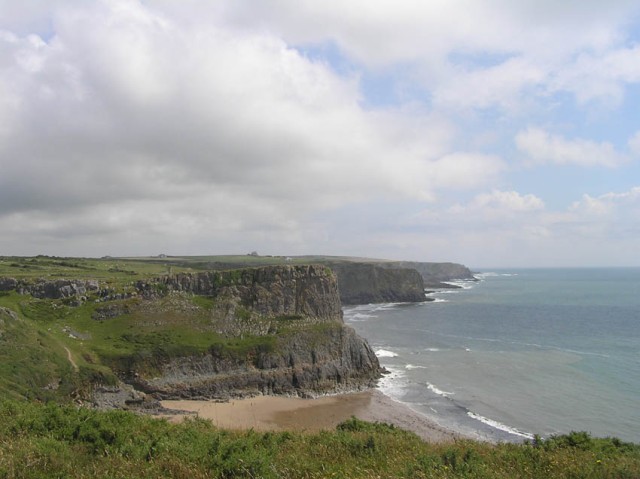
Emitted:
pixel 34 360
pixel 50 441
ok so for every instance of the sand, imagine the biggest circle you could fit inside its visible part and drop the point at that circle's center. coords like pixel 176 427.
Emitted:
pixel 277 413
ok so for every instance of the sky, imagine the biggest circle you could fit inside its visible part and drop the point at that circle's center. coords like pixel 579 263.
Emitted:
pixel 491 133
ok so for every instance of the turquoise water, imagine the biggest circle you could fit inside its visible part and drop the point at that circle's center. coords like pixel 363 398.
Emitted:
pixel 517 353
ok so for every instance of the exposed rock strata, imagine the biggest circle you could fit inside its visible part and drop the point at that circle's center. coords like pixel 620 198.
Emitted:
pixel 363 283
pixel 294 310
pixel 309 291
pixel 304 364
pixel 434 272
pixel 51 289
pixel 317 353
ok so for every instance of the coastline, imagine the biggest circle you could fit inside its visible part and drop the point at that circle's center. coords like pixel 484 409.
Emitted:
pixel 278 413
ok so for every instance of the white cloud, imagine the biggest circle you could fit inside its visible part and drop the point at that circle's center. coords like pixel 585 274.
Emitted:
pixel 543 147
pixel 146 126
pixel 509 201
pixel 608 204
pixel 502 85
pixel 465 170
pixel 600 76
pixel 127 116
pixel 497 53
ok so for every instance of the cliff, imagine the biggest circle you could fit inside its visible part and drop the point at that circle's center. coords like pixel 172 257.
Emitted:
pixel 310 290
pixel 309 363
pixel 212 334
pixel 363 283
pixel 303 347
pixel 433 274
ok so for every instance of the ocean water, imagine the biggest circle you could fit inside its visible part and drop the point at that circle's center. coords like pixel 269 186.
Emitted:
pixel 517 353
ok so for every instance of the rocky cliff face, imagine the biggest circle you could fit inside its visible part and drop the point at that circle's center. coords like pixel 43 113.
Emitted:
pixel 277 330
pixel 309 291
pixel 307 364
pixel 296 309
pixel 50 289
pixel 363 283
pixel 432 272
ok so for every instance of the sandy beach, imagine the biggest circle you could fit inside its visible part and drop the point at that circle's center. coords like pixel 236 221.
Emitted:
pixel 275 413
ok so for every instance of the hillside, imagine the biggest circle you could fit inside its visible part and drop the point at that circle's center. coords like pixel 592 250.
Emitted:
pixel 85 329
pixel 52 441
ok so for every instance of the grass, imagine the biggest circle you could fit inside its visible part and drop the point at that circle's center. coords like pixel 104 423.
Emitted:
pixel 56 441
pixel 41 438
pixel 81 268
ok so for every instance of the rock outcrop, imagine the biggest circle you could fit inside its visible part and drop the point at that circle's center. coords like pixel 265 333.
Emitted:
pixel 434 272
pixel 309 351
pixel 51 289
pixel 308 291
pixel 363 283
pixel 305 364
pixel 276 330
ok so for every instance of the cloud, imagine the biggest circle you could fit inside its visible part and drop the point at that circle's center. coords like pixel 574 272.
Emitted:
pixel 496 54
pixel 600 76
pixel 508 201
pixel 126 118
pixel 505 209
pixel 499 85
pixel 146 126
pixel 608 204
pixel 543 147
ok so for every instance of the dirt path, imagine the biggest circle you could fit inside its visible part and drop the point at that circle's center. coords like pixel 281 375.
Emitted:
pixel 70 358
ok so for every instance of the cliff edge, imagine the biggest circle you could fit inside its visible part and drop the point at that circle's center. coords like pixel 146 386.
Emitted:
pixel 364 283
pixel 211 334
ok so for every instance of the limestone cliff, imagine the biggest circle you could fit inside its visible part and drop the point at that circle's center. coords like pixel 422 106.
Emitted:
pixel 309 291
pixel 212 334
pixel 363 283
pixel 433 274
pixel 308 363
pixel 50 289
pixel 302 346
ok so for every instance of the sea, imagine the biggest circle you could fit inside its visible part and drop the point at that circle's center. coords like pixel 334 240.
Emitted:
pixel 516 353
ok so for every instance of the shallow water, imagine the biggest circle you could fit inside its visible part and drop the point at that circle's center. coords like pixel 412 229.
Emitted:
pixel 517 353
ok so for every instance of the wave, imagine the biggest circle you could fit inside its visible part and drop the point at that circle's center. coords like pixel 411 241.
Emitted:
pixel 490 274
pixel 413 366
pixel 462 284
pixel 384 353
pixel 437 391
pixel 392 384
pixel 364 312
pixel 432 350
pixel 498 425
pixel 359 317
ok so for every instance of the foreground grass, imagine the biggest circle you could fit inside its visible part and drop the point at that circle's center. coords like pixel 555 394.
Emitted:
pixel 57 441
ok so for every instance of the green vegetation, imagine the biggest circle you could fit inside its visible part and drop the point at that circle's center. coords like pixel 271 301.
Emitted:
pixel 57 441
pixel 55 349
pixel 112 269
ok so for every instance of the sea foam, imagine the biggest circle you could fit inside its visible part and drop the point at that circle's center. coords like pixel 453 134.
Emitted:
pixel 498 425
pixel 383 353
pixel 437 391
